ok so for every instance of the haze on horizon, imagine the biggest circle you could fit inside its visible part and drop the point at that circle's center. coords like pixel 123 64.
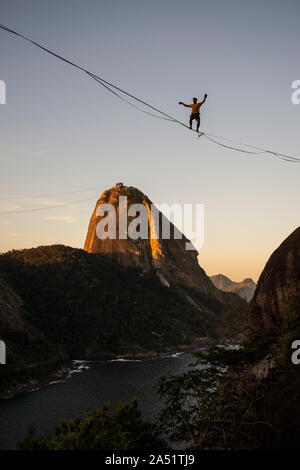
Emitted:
pixel 62 132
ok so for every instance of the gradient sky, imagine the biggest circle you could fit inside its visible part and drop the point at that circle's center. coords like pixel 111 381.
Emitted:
pixel 60 131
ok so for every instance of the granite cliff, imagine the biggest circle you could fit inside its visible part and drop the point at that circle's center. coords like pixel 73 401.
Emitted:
pixel 168 258
pixel 278 290
pixel 273 324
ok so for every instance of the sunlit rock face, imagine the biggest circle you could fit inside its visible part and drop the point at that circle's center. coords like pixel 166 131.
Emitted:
pixel 169 258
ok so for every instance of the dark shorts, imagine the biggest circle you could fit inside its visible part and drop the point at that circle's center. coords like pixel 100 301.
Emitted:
pixel 195 116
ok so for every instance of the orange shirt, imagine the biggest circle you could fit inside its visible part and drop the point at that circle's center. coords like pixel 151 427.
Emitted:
pixel 195 107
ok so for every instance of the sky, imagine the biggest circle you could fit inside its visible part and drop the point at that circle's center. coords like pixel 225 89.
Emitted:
pixel 61 132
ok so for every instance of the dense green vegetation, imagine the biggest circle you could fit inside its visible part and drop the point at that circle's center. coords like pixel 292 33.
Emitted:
pixel 30 356
pixel 102 429
pixel 90 305
pixel 65 303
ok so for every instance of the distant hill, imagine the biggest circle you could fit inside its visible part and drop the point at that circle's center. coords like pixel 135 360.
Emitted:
pixel 244 289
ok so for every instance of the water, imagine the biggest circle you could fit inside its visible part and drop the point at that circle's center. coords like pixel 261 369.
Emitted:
pixel 89 386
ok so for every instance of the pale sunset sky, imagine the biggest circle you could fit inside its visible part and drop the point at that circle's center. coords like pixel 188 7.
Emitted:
pixel 61 132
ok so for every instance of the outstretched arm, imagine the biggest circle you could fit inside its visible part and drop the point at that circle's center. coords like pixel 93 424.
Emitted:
pixel 203 101
pixel 186 105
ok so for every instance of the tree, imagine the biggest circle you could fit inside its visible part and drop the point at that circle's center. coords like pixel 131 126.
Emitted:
pixel 218 404
pixel 101 429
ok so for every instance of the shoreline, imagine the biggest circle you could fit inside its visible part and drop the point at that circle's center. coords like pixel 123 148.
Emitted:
pixel 63 372
pixel 195 346
pixel 33 384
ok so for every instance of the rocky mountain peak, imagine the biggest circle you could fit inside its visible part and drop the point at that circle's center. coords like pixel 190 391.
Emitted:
pixel 170 260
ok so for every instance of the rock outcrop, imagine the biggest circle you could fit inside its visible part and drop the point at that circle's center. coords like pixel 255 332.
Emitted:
pixel 244 289
pixel 273 324
pixel 256 402
pixel 172 263
pixel 278 290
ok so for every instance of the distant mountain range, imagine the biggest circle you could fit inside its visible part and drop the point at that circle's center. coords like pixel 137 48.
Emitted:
pixel 244 289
